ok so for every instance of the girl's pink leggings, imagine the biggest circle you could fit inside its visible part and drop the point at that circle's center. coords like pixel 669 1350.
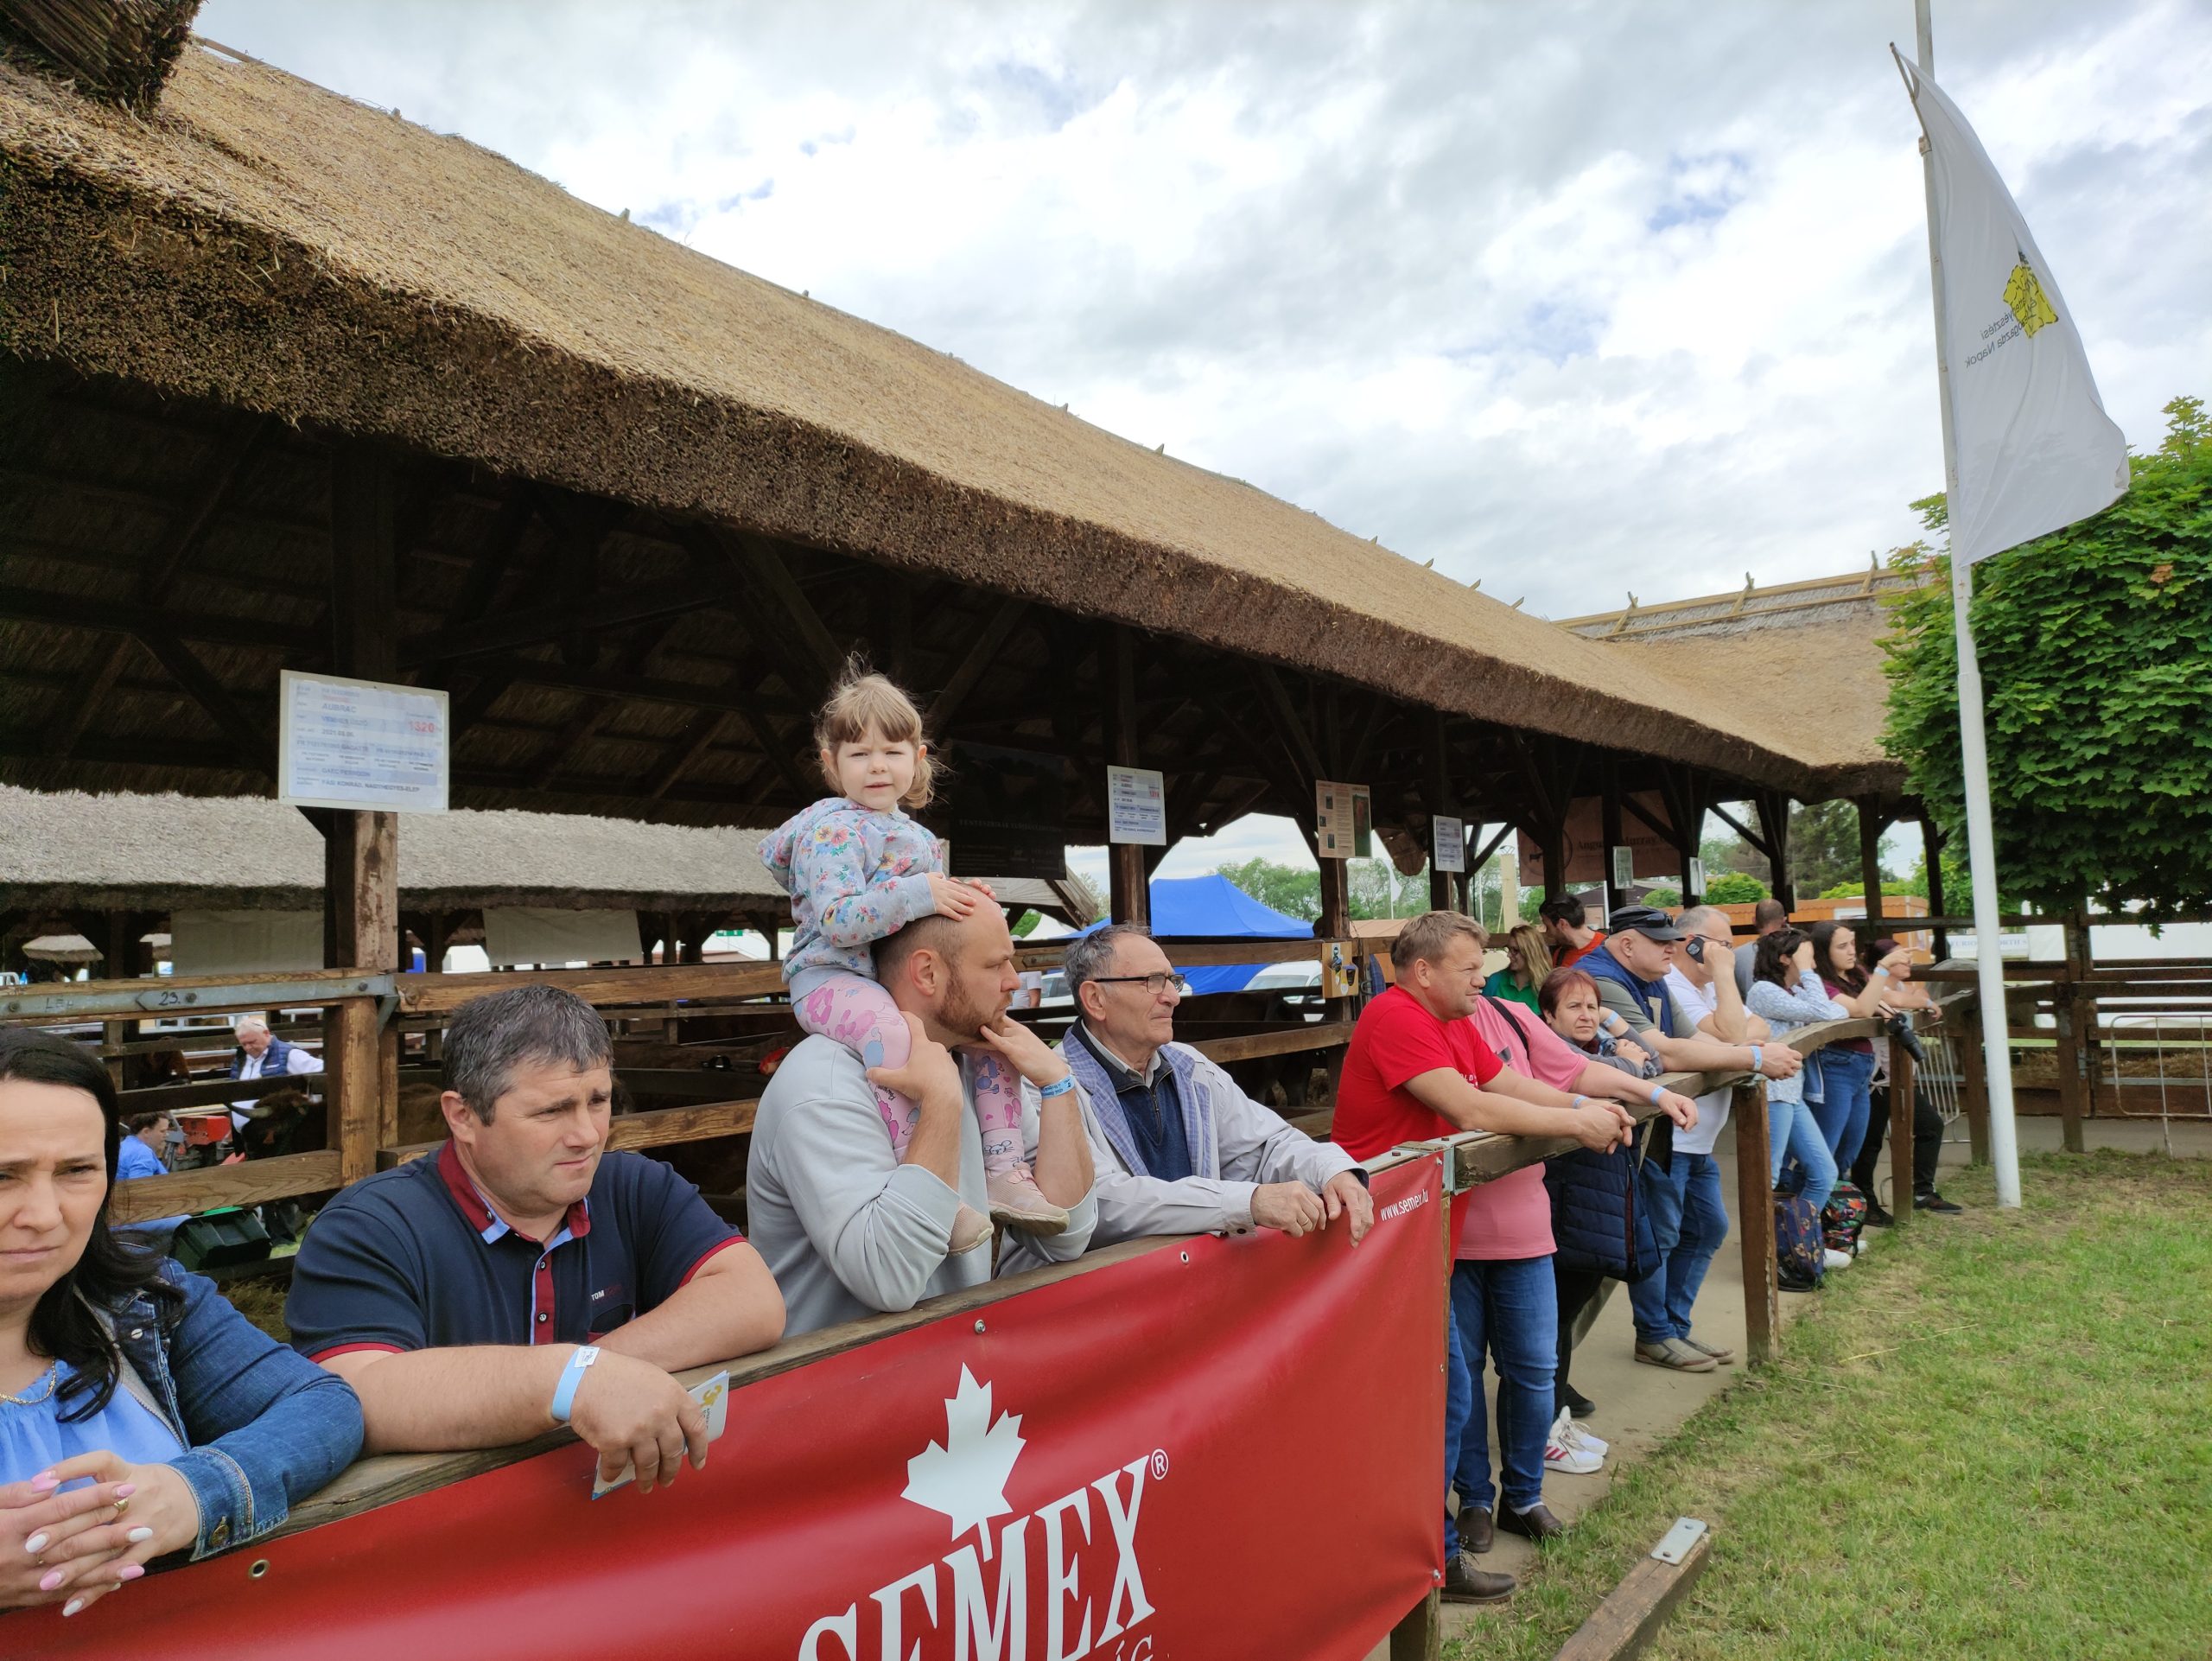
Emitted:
pixel 859 1014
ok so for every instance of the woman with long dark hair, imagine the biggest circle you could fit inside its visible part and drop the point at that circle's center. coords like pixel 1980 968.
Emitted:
pixel 1786 994
pixel 1847 1066
pixel 140 1414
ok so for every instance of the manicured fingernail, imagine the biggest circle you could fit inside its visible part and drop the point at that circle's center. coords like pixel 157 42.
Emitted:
pixel 52 1581
pixel 36 1544
pixel 72 1606
pixel 46 1480
pixel 124 1489
pixel 137 1535
pixel 131 1571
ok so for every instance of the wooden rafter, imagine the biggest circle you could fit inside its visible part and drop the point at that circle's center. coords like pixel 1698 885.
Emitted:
pixel 978 658
pixel 188 530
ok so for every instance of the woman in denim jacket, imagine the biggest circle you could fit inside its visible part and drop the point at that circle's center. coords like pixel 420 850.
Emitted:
pixel 140 1414
pixel 1786 994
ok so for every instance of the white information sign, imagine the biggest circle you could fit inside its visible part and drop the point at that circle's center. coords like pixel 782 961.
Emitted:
pixel 1697 876
pixel 1137 806
pixel 361 744
pixel 1447 842
pixel 1624 870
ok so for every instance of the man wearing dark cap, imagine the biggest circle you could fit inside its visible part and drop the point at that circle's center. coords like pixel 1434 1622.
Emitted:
pixel 1630 965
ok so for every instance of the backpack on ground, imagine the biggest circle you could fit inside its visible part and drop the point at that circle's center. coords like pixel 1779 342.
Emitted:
pixel 1844 1219
pixel 1799 1253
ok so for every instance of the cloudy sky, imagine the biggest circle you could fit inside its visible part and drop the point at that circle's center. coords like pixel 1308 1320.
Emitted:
pixel 1575 298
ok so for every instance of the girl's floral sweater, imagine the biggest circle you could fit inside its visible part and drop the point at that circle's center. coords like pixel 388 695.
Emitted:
pixel 854 876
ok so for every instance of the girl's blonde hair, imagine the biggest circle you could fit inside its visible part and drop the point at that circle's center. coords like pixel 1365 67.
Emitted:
pixel 1536 955
pixel 862 703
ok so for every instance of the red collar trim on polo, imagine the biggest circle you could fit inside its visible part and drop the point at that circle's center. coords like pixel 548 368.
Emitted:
pixel 481 1217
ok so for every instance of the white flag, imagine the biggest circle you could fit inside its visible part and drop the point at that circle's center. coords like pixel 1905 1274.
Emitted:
pixel 2035 449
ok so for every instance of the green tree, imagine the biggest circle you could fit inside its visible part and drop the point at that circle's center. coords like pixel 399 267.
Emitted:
pixel 2096 658
pixel 1663 897
pixel 1824 847
pixel 1294 891
pixel 1734 888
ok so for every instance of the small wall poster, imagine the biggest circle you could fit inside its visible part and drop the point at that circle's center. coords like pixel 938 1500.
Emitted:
pixel 1447 837
pixel 1344 821
pixel 1137 806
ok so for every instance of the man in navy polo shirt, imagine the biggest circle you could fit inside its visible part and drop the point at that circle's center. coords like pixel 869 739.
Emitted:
pixel 521 1275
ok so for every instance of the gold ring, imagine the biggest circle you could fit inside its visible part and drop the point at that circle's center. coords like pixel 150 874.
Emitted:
pixel 123 1505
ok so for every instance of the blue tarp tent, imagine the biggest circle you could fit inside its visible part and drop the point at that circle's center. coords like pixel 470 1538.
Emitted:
pixel 1214 908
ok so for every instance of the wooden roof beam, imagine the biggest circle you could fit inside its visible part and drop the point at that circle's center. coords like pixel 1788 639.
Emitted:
pixel 188 530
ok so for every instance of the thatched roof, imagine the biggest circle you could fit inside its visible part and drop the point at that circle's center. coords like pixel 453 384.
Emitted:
pixel 1804 659
pixel 264 244
pixel 66 849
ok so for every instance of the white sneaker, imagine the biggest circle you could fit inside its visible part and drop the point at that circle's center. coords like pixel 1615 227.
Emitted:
pixel 1839 1260
pixel 1558 1456
pixel 1574 1438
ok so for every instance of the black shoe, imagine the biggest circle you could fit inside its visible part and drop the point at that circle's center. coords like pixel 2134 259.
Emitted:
pixel 1576 1402
pixel 1932 1202
pixel 1877 1217
pixel 1476 1533
pixel 1536 1523
pixel 1464 1583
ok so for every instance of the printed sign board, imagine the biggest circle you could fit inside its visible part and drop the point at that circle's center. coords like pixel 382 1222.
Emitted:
pixel 1344 821
pixel 1137 806
pixel 361 744
pixel 1447 843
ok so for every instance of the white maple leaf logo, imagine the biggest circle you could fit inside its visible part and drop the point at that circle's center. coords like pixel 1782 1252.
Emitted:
pixel 966 1476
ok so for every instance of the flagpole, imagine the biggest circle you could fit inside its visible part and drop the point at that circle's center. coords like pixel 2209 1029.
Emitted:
pixel 1973 749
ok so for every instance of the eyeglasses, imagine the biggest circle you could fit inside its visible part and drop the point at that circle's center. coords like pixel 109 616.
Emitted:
pixel 1155 984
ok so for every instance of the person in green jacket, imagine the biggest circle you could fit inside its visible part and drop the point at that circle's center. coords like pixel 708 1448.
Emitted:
pixel 1528 961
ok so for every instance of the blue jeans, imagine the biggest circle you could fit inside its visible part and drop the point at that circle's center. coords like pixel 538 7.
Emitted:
pixel 1509 1310
pixel 1687 1202
pixel 1791 1130
pixel 1846 1105
pixel 1459 1405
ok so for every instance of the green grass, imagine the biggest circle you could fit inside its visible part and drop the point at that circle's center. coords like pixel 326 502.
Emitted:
pixel 1992 1437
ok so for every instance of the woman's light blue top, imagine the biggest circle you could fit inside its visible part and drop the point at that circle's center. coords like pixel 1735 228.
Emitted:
pixel 34 1436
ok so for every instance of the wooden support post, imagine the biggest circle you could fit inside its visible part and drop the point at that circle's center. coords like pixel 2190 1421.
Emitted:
pixel 1774 820
pixel 1871 825
pixel 361 905
pixel 1419 1636
pixel 1755 1221
pixel 1129 887
pixel 1932 850
pixel 1609 816
pixel 1973 1081
pixel 1440 801
pixel 2066 1012
pixel 361 850
pixel 1903 1082
pixel 2082 1008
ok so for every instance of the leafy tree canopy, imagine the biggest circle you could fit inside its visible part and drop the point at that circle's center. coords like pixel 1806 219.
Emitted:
pixel 2096 660
pixel 1734 888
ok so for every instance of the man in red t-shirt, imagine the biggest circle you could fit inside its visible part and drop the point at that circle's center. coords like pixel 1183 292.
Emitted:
pixel 1417 1069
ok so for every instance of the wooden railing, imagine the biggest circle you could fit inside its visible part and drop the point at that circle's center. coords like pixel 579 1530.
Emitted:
pixel 361 1095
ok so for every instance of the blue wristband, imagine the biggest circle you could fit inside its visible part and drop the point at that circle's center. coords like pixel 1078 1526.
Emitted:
pixel 564 1393
pixel 1754 1058
pixel 1046 1093
pixel 1657 1090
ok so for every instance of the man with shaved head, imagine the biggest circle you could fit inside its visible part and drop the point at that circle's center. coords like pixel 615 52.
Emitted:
pixel 851 1226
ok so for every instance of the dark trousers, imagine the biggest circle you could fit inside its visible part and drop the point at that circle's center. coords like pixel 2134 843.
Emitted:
pixel 1927 1143
pixel 1574 1289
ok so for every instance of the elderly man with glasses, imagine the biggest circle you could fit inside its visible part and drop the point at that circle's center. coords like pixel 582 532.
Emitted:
pixel 1179 1148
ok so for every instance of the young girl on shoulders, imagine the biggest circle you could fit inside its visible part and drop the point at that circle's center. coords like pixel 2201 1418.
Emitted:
pixel 858 869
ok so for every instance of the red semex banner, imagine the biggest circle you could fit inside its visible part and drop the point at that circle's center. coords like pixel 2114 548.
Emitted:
pixel 1214 1450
